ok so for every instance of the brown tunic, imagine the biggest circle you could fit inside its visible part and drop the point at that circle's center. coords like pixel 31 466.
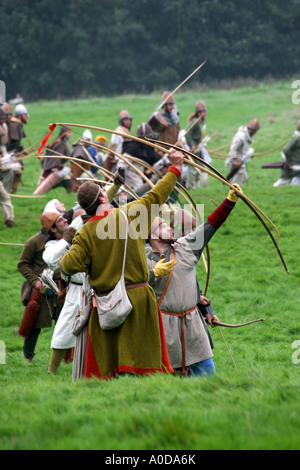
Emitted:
pixel 31 265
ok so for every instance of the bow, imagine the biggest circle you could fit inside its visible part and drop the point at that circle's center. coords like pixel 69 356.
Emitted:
pixel 228 325
pixel 215 173
pixel 256 210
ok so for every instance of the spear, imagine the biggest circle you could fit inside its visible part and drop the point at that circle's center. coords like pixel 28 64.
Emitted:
pixel 180 85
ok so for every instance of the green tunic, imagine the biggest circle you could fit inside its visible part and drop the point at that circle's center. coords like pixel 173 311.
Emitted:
pixel 135 346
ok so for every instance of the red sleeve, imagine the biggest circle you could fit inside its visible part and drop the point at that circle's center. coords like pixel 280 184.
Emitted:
pixel 218 217
pixel 175 170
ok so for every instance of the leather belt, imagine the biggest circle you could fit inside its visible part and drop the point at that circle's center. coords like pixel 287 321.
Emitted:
pixel 181 315
pixel 129 286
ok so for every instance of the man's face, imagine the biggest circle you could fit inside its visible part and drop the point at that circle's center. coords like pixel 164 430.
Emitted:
pixel 202 114
pixel 169 107
pixel 252 132
pixel 60 226
pixel 127 122
pixel 163 232
pixel 24 118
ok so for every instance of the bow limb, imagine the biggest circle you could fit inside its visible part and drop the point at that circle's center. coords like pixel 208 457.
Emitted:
pixel 261 220
pixel 228 325
pixel 220 177
pixel 101 169
pixel 247 201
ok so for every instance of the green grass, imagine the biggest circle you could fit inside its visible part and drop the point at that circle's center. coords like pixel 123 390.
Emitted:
pixel 256 407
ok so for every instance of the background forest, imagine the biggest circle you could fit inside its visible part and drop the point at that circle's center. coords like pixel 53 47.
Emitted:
pixel 77 48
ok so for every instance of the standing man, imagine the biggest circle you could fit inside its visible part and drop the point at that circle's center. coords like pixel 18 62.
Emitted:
pixel 166 122
pixel 6 169
pixel 17 123
pixel 178 294
pixel 6 177
pixel 240 152
pixel 31 265
pixel 290 173
pixel 138 345
pixel 116 141
pixel 17 133
pixel 194 134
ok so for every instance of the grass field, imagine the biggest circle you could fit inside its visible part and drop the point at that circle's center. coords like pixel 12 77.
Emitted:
pixel 254 407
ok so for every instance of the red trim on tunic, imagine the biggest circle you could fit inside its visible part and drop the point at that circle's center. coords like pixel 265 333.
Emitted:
pixel 218 217
pixel 91 365
pixel 92 368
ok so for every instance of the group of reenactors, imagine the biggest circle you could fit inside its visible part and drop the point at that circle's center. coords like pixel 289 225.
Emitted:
pixel 123 162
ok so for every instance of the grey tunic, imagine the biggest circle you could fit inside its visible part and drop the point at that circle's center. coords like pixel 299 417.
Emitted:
pixel 183 293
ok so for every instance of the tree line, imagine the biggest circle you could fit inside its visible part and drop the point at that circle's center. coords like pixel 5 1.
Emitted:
pixel 52 49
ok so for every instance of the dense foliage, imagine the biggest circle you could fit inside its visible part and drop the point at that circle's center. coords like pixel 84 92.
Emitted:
pixel 53 49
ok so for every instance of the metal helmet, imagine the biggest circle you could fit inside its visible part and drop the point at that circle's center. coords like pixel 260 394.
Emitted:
pixel 200 107
pixel 253 125
pixel 7 108
pixel 21 109
pixel 144 130
pixel 124 114
pixel 167 98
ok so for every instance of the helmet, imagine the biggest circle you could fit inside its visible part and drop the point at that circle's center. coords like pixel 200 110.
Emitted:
pixel 167 98
pixel 253 125
pixel 21 109
pixel 144 130
pixel 87 135
pixel 200 107
pixel 124 114
pixel 7 108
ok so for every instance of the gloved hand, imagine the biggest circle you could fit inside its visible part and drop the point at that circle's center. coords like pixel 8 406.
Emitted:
pixel 118 179
pixel 162 269
pixel 232 195
pixel 69 234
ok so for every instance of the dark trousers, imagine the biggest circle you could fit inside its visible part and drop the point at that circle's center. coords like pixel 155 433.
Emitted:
pixel 30 343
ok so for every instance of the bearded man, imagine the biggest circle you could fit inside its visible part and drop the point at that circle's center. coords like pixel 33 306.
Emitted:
pixel 178 294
